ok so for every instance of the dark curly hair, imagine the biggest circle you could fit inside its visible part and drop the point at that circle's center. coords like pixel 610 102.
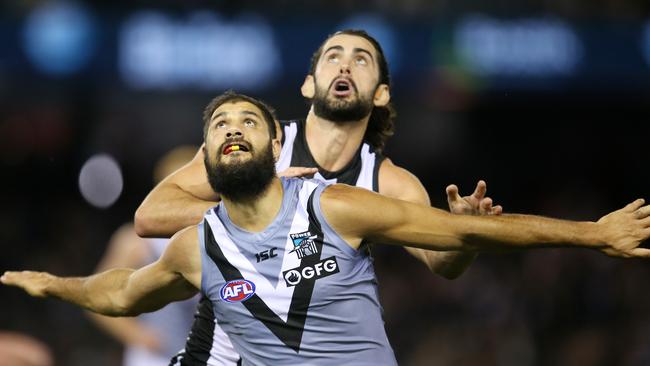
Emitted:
pixel 381 125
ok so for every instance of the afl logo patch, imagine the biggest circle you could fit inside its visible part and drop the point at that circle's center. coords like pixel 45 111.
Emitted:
pixel 237 290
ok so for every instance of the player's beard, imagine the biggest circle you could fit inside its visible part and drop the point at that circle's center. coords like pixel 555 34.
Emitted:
pixel 340 110
pixel 242 181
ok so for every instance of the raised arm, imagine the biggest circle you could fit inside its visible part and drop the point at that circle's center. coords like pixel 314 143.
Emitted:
pixel 358 214
pixel 180 200
pixel 397 182
pixel 125 292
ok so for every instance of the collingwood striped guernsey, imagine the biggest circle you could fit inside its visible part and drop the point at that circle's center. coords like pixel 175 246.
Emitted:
pixel 207 343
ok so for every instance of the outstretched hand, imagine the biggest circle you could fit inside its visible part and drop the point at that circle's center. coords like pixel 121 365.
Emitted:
pixel 34 283
pixel 625 229
pixel 475 204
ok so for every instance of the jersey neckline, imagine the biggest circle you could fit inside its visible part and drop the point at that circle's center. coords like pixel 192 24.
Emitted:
pixel 328 174
pixel 288 206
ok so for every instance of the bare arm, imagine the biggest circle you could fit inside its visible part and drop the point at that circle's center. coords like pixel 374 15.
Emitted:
pixel 126 250
pixel 396 182
pixel 125 292
pixel 177 202
pixel 358 214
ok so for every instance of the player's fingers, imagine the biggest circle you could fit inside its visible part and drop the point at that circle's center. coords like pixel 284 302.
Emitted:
pixel 633 206
pixel 486 205
pixel 640 252
pixel 304 171
pixel 297 172
pixel 642 212
pixel 452 193
pixel 646 233
pixel 646 222
pixel 481 188
pixel 497 210
pixel 9 278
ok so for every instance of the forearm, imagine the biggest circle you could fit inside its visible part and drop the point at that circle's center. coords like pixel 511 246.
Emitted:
pixel 433 229
pixel 448 264
pixel 101 293
pixel 442 231
pixel 451 264
pixel 524 231
pixel 167 210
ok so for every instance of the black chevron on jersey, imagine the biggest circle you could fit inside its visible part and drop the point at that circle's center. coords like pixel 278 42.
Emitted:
pixel 289 332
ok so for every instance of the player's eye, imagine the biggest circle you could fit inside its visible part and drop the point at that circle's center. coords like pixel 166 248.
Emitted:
pixel 249 123
pixel 220 124
pixel 361 61
pixel 333 58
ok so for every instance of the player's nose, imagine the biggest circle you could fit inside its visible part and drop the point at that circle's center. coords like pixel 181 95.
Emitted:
pixel 234 132
pixel 345 68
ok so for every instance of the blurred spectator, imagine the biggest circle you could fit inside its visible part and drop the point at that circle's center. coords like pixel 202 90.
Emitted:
pixel 21 350
pixel 150 339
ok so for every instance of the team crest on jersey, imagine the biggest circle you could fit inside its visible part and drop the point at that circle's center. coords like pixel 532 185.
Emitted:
pixel 237 290
pixel 303 244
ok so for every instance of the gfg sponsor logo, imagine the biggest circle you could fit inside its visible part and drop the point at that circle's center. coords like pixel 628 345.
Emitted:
pixel 324 268
pixel 237 290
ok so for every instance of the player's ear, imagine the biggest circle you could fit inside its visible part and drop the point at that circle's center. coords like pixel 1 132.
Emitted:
pixel 308 87
pixel 278 130
pixel 382 96
pixel 276 146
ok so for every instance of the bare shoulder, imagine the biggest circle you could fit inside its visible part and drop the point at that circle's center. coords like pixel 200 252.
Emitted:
pixel 397 182
pixel 341 196
pixel 355 212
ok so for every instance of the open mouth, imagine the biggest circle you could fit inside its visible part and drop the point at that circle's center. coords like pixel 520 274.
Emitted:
pixel 342 87
pixel 234 147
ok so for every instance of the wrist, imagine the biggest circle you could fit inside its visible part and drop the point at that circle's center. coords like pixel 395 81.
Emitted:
pixel 595 235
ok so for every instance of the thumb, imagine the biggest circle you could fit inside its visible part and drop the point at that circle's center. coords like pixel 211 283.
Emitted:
pixel 452 193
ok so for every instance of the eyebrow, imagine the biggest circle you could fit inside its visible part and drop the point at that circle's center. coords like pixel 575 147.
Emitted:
pixel 246 113
pixel 355 50
pixel 363 50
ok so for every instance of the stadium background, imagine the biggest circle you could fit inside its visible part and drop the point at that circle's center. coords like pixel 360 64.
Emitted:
pixel 548 101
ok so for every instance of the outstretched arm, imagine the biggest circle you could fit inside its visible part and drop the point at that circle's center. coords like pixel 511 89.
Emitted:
pixel 180 200
pixel 358 214
pixel 125 292
pixel 396 182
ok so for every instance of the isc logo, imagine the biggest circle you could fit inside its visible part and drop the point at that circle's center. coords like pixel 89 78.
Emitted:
pixel 237 290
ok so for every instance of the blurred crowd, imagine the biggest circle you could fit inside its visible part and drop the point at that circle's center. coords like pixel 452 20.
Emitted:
pixel 576 9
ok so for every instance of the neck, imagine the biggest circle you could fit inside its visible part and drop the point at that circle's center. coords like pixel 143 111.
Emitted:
pixel 333 144
pixel 259 212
